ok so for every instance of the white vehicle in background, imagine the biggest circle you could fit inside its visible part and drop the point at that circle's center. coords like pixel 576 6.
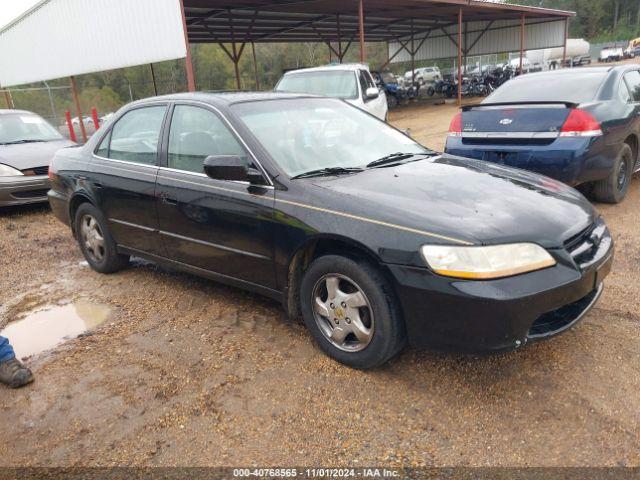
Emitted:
pixel 350 82
pixel 614 54
pixel 424 75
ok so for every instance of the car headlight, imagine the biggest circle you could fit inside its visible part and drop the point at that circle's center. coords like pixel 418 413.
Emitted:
pixel 481 263
pixel 7 171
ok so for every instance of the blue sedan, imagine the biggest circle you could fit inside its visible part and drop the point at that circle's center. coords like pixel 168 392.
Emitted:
pixel 581 127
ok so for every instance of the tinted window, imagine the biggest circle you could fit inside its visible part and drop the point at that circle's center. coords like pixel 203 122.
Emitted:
pixel 576 88
pixel 337 83
pixel 103 149
pixel 135 137
pixel 195 134
pixel 633 81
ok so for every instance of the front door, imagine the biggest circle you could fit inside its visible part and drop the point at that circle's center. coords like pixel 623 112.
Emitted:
pixel 221 226
pixel 124 171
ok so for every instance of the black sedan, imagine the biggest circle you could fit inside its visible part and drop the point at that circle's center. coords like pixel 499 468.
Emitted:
pixel 373 238
pixel 578 126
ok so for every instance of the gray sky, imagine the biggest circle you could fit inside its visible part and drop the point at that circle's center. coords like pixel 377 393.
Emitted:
pixel 11 9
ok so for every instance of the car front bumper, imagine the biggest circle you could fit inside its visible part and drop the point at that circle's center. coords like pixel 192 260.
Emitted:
pixel 504 314
pixel 21 190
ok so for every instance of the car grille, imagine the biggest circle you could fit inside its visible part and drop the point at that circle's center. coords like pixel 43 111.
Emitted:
pixel 30 194
pixel 36 171
pixel 557 320
pixel 584 246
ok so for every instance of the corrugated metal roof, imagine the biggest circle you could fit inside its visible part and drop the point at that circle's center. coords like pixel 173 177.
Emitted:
pixel 58 38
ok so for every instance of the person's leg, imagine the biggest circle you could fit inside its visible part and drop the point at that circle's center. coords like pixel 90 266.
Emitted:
pixel 12 372
pixel 6 350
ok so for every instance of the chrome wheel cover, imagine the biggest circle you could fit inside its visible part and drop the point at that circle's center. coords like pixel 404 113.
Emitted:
pixel 343 312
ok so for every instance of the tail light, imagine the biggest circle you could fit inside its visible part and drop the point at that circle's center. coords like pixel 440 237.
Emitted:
pixel 455 128
pixel 580 123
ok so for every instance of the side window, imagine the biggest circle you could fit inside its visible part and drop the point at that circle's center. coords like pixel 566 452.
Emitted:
pixel 135 137
pixel 633 82
pixel 197 133
pixel 363 82
pixel 103 149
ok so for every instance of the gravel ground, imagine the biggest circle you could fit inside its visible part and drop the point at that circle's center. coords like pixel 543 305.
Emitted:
pixel 189 372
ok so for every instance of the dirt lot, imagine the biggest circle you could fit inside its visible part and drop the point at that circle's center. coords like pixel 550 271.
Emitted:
pixel 188 372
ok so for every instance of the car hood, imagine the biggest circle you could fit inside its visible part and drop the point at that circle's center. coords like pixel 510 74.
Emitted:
pixel 468 200
pixel 30 155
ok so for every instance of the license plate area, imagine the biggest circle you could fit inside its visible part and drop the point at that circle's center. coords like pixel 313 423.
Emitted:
pixel 502 158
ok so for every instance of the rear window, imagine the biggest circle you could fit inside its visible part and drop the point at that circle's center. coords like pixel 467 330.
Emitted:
pixel 577 88
pixel 329 83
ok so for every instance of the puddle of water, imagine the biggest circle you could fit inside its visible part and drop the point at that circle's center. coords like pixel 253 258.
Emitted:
pixel 47 327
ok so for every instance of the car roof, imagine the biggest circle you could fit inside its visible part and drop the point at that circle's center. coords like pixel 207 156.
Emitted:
pixel 352 67
pixel 226 98
pixel 13 111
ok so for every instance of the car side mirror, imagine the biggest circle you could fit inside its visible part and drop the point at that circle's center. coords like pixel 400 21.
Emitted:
pixel 232 168
pixel 372 93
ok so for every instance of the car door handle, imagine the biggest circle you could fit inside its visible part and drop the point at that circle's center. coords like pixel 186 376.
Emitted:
pixel 168 200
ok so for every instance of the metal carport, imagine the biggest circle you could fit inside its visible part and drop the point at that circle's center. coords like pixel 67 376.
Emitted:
pixel 52 39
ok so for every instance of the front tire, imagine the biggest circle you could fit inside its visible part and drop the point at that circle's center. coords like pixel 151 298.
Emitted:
pixel 350 310
pixel 614 188
pixel 96 242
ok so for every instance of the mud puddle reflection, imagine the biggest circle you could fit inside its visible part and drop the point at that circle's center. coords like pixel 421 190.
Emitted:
pixel 47 327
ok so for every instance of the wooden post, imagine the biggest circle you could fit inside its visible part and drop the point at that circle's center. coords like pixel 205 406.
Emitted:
pixel 566 35
pixel 236 60
pixel 9 99
pixel 255 65
pixel 362 45
pixel 188 65
pixel 522 20
pixel 460 57
pixel 153 79
pixel 76 100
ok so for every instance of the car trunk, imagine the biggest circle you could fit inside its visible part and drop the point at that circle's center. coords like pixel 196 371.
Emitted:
pixel 538 124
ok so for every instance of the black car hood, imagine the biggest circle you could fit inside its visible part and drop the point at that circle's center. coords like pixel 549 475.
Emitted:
pixel 465 199
pixel 30 155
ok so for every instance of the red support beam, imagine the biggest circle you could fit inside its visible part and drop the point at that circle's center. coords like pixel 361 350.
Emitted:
pixel 76 100
pixel 361 21
pixel 94 117
pixel 153 80
pixel 72 132
pixel 188 65
pixel 460 57
pixel 9 99
pixel 522 23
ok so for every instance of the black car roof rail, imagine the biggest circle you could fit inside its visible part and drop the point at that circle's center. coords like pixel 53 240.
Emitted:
pixel 466 108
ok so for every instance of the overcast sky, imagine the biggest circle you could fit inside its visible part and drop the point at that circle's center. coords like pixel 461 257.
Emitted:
pixel 10 9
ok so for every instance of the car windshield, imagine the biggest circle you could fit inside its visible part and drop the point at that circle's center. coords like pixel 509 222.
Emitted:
pixel 26 127
pixel 576 88
pixel 303 135
pixel 328 83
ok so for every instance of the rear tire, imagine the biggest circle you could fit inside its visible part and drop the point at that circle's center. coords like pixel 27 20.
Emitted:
pixel 96 242
pixel 350 310
pixel 614 188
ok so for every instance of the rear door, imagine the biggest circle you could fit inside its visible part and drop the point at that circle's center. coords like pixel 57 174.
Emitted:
pixel 220 226
pixel 124 170
pixel 632 80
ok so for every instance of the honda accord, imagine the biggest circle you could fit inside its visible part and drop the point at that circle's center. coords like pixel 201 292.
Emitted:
pixel 374 239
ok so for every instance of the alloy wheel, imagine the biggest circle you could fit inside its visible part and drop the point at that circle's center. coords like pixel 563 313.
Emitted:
pixel 343 313
pixel 92 238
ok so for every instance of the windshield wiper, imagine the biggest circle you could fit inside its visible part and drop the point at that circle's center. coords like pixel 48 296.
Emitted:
pixel 15 142
pixel 398 157
pixel 328 171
